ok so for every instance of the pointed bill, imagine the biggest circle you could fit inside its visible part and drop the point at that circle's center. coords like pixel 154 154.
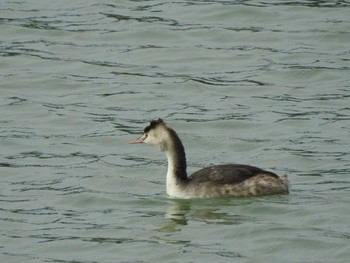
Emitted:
pixel 138 140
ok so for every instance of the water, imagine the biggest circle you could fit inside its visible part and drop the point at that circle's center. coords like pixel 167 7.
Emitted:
pixel 257 82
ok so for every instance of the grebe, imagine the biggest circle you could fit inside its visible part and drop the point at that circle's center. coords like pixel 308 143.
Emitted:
pixel 227 180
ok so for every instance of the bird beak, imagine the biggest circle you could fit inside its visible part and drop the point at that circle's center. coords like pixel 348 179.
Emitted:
pixel 138 140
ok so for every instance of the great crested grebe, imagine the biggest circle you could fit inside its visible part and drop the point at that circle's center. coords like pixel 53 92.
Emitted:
pixel 226 180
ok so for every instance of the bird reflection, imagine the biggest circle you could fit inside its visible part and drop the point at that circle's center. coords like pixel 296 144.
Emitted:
pixel 180 212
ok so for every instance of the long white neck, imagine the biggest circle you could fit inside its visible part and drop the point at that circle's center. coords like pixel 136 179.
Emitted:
pixel 171 180
pixel 175 185
pixel 176 178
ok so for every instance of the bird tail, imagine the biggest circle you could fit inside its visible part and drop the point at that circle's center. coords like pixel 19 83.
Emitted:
pixel 285 181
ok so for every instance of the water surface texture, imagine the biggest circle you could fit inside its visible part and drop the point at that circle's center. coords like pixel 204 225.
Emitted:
pixel 264 83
